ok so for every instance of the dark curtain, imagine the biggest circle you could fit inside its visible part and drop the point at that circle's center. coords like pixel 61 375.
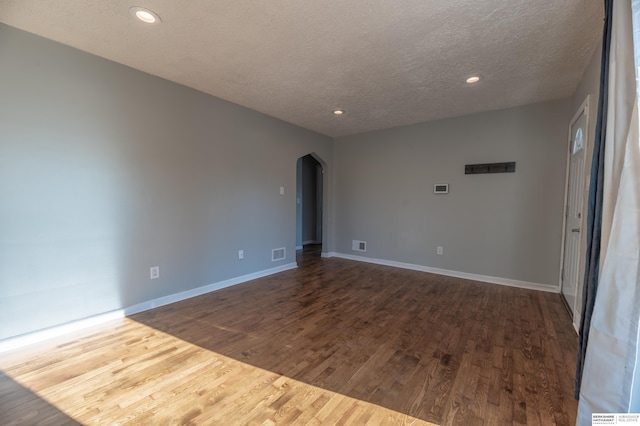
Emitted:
pixel 594 214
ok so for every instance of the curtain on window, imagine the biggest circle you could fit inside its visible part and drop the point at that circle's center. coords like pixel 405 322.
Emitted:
pixel 594 213
pixel 611 363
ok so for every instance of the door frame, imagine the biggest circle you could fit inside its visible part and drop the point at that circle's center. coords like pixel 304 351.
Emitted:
pixel 319 200
pixel 584 108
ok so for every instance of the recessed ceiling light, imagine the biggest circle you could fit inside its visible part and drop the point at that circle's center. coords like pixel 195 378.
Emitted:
pixel 338 111
pixel 473 79
pixel 145 15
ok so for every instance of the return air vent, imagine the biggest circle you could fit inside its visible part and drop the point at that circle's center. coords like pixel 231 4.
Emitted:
pixel 474 169
pixel 278 254
pixel 358 245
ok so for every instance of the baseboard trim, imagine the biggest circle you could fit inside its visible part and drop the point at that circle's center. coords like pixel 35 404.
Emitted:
pixel 576 324
pixel 23 340
pixel 198 291
pixel 446 272
pixel 38 336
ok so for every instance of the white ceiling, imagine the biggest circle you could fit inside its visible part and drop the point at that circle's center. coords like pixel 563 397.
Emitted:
pixel 386 62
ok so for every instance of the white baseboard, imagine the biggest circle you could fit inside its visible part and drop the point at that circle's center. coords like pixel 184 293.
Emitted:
pixel 177 297
pixel 446 272
pixel 576 323
pixel 58 330
pixel 70 327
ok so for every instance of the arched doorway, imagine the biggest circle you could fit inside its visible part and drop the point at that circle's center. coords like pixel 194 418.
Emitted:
pixel 309 203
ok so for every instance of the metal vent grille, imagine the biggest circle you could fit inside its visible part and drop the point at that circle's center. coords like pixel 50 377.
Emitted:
pixel 278 254
pixel 358 245
pixel 474 169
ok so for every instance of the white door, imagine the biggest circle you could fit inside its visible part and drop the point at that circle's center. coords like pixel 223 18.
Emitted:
pixel 574 222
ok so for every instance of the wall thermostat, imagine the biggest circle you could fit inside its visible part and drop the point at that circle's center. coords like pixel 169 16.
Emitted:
pixel 441 188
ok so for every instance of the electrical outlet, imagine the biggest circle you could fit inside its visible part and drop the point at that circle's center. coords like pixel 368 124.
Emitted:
pixel 241 254
pixel 154 272
pixel 282 190
pixel 440 250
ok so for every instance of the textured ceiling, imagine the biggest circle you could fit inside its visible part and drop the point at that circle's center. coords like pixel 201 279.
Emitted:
pixel 386 62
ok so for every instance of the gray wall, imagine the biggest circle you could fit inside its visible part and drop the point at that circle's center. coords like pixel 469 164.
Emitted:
pixel 500 225
pixel 106 171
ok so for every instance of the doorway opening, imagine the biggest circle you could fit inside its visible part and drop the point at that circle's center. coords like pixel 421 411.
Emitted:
pixel 309 207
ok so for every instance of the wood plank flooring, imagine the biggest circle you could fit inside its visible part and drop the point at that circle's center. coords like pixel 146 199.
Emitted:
pixel 332 342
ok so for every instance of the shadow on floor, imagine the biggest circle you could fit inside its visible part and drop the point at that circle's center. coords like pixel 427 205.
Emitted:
pixel 14 397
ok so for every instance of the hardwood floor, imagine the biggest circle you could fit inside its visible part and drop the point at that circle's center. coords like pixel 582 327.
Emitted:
pixel 332 342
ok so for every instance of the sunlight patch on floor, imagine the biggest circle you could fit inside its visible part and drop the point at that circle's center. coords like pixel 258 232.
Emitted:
pixel 135 373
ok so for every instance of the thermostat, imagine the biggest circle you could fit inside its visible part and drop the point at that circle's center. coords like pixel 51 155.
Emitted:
pixel 441 188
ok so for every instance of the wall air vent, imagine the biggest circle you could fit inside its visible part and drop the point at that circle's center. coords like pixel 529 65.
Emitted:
pixel 474 169
pixel 441 188
pixel 278 254
pixel 358 245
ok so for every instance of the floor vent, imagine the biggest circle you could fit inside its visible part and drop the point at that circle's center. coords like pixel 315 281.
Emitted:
pixel 358 245
pixel 278 254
